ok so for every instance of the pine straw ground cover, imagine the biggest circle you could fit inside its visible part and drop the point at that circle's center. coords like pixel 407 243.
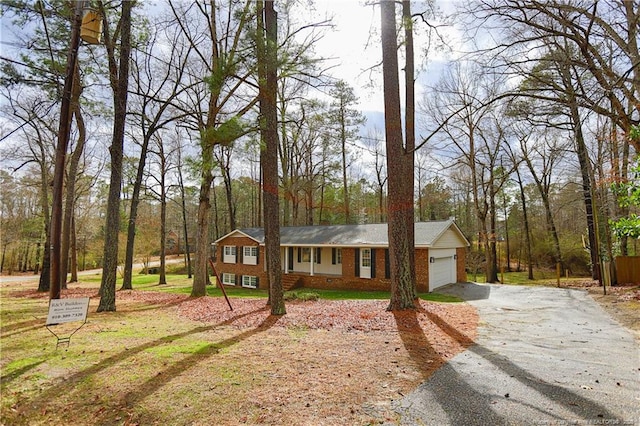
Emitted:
pixel 622 302
pixel 169 359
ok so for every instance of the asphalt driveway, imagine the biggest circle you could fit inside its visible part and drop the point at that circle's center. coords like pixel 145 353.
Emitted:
pixel 544 356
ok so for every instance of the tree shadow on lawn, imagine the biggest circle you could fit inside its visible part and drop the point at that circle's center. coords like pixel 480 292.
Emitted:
pixel 130 305
pixel 39 403
pixel 142 305
pixel 21 327
pixel 162 378
pixel 462 403
pixel 8 378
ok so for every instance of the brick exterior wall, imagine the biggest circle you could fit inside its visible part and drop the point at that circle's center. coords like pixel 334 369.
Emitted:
pixel 422 270
pixel 348 280
pixel 339 283
pixel 239 268
pixel 461 265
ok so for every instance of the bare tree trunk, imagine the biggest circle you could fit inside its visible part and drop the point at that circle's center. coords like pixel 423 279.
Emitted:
pixel 183 204
pixel 4 257
pixel 381 181
pixel 36 269
pixel 201 276
pixel 587 193
pixel 73 252
pixel 543 189
pixel 133 215
pixel 399 172
pixel 492 257
pixel 225 167
pixel 163 220
pixel 71 178
pixel 120 84
pixel 63 140
pixel 45 275
pixel 408 160
pixel 308 188
pixel 623 175
pixel 286 163
pixel 25 259
pixel 267 51
pixel 527 232
pixel 345 182
pixel 323 185
pixel 585 171
pixel 506 235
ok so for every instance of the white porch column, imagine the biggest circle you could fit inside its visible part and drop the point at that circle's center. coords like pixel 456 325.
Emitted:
pixel 286 260
pixel 313 259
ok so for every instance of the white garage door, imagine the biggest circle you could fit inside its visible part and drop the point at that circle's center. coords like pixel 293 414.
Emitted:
pixel 441 272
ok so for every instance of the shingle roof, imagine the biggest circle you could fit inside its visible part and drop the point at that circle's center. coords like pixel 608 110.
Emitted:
pixel 426 233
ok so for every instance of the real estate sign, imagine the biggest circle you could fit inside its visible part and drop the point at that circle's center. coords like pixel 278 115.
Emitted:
pixel 67 310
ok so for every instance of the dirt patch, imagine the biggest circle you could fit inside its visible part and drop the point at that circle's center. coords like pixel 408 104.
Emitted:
pixel 323 363
pixel 621 302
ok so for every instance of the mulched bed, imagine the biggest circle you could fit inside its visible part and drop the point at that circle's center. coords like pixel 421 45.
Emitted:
pixel 344 315
pixel 623 293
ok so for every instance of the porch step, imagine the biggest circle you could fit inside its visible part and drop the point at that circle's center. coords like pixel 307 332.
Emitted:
pixel 290 282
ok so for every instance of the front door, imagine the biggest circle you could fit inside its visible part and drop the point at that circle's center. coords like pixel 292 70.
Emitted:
pixel 365 263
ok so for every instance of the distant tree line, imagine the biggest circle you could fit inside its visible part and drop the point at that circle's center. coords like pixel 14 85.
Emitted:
pixel 527 142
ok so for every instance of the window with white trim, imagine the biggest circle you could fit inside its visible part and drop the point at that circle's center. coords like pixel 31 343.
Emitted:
pixel 229 254
pixel 250 255
pixel 336 256
pixel 249 281
pixel 228 279
pixel 366 258
pixel 306 254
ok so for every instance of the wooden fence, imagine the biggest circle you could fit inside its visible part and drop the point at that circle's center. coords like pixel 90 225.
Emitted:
pixel 628 269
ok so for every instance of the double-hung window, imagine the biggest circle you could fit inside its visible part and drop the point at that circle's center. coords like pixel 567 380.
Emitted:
pixel 366 258
pixel 228 279
pixel 250 255
pixel 336 256
pixel 249 281
pixel 306 254
pixel 229 254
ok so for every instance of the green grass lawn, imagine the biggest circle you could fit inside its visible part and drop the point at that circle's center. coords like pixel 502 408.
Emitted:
pixel 541 278
pixel 181 284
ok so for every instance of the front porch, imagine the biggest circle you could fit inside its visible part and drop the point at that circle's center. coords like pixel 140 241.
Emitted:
pixel 311 261
pixel 293 280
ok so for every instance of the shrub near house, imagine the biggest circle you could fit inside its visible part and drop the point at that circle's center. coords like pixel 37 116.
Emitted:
pixel 342 256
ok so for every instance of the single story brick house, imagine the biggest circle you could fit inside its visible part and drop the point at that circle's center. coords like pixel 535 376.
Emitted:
pixel 341 256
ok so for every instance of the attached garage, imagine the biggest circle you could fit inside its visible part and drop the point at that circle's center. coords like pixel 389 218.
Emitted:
pixel 442 268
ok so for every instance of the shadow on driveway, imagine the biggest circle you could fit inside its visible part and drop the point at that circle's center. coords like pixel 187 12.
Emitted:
pixel 553 357
pixel 467 291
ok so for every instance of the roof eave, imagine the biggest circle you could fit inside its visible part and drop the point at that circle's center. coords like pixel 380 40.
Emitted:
pixel 238 231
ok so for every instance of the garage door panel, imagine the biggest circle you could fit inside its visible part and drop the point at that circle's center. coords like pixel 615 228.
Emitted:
pixel 441 272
